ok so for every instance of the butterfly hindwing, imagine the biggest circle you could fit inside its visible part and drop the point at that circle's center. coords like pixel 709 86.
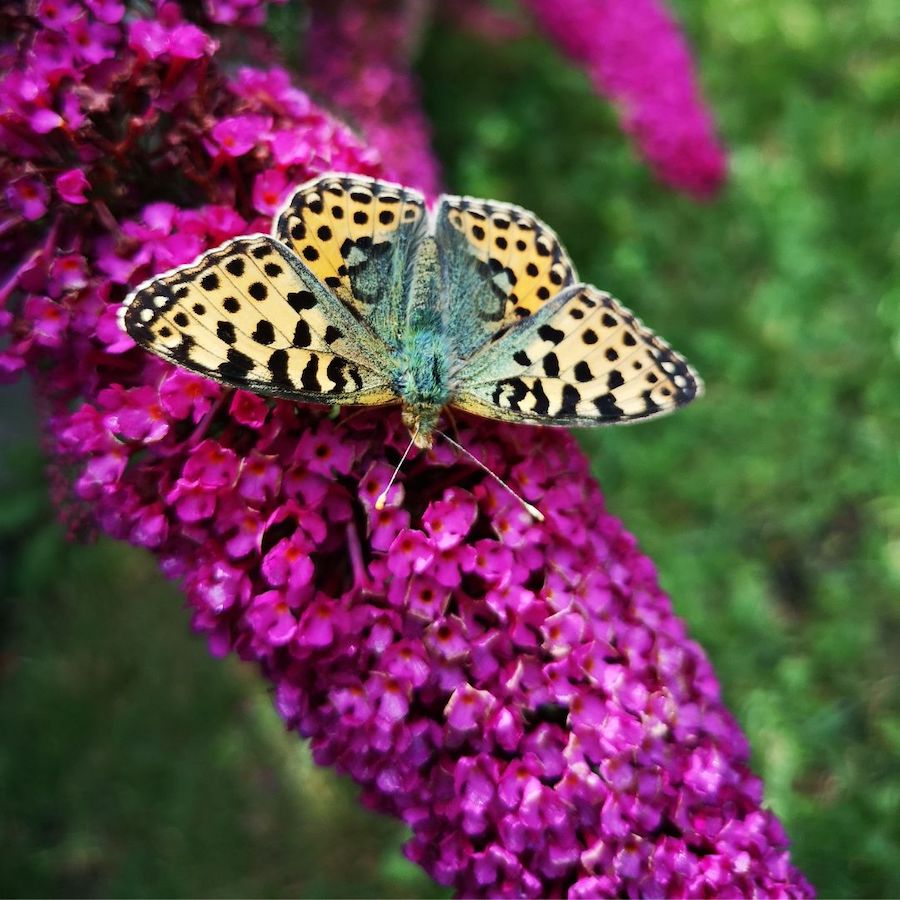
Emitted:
pixel 358 236
pixel 249 315
pixel 583 359
pixel 500 264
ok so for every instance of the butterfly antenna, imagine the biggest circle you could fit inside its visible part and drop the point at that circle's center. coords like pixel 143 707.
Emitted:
pixel 382 497
pixel 533 511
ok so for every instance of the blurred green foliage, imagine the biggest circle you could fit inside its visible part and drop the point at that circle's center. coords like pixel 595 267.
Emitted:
pixel 133 764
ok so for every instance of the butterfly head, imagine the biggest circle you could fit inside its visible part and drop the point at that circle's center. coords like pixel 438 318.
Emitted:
pixel 421 422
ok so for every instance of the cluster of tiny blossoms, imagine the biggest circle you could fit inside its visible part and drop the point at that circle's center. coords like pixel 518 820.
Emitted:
pixel 358 54
pixel 519 693
pixel 635 54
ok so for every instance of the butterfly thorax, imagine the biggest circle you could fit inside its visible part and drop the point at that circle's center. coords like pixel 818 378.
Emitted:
pixel 421 377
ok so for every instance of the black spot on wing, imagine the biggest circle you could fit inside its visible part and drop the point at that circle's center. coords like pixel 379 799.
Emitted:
pixel 335 371
pixel 264 333
pixel 182 352
pixel 278 367
pixel 225 332
pixel 310 377
pixel 512 390
pixel 542 402
pixel 583 372
pixel 300 300
pixel 570 398
pixel 549 333
pixel 606 406
pixel 302 334
pixel 237 366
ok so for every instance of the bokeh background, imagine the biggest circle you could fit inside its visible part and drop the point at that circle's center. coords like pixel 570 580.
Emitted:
pixel 134 764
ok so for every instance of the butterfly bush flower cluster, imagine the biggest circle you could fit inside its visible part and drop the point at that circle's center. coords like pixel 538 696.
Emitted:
pixel 635 53
pixel 519 693
pixel 358 54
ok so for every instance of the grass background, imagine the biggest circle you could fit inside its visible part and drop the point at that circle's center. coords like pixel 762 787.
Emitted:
pixel 133 764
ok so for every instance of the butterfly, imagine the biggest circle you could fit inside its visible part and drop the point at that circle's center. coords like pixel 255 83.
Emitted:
pixel 363 296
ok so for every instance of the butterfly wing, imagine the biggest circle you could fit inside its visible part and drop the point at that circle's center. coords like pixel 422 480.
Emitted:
pixel 582 359
pixel 358 236
pixel 499 264
pixel 250 315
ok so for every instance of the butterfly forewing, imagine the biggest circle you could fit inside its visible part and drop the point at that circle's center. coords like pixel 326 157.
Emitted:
pixel 248 314
pixel 357 235
pixel 516 261
pixel 584 359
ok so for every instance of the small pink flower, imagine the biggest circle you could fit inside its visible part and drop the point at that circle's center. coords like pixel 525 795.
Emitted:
pixel 448 521
pixel 44 120
pixel 50 320
pixel 211 465
pixel 148 37
pixel 28 196
pixel 184 395
pixel 321 623
pixel 292 147
pixel 108 11
pixel 238 135
pixel 135 414
pixel 57 15
pixel 92 42
pixel 187 41
pixel 468 708
pixel 260 477
pixel 288 563
pixel 248 409
pixel 269 189
pixel 271 618
pixel 410 552
pixel 71 185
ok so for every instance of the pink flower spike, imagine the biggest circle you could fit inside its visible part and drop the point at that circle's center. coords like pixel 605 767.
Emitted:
pixel 71 186
pixel 519 693
pixel 635 53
